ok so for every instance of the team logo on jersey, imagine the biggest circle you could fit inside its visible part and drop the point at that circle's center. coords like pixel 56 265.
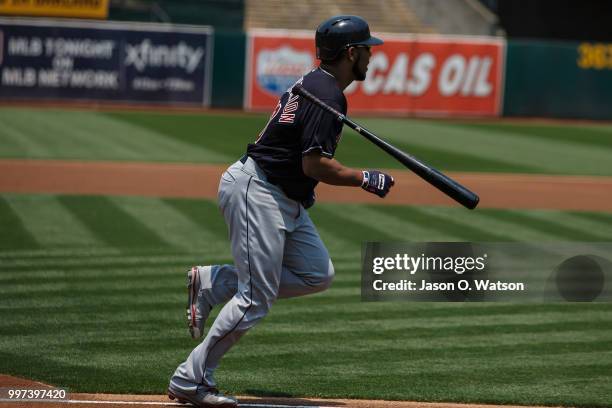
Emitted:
pixel 278 69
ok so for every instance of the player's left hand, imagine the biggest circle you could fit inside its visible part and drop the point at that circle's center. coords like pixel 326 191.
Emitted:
pixel 377 182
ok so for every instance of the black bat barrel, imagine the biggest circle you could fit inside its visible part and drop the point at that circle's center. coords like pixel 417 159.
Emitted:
pixel 439 180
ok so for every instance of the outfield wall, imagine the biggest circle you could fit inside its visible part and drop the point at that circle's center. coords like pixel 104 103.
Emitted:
pixel 558 79
pixel 415 75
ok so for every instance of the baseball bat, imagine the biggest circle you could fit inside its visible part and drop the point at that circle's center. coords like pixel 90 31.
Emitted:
pixel 437 179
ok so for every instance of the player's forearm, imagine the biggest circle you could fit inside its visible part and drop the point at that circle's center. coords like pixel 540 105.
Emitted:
pixel 341 177
pixel 330 171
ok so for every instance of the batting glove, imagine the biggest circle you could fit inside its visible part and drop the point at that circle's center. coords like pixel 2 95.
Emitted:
pixel 377 182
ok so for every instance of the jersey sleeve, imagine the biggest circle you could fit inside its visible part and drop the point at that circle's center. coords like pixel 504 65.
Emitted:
pixel 321 130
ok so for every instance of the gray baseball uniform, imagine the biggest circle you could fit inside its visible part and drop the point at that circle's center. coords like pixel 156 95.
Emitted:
pixel 276 247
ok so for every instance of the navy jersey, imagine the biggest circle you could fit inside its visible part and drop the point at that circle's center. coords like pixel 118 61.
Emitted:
pixel 298 127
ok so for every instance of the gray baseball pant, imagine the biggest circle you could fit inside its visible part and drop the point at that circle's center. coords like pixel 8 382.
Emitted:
pixel 277 253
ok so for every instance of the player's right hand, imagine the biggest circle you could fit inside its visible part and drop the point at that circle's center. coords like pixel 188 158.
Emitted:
pixel 377 182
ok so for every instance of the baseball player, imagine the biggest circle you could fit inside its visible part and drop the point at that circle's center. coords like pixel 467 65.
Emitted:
pixel 264 196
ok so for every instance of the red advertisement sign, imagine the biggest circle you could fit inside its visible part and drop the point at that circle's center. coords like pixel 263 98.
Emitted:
pixel 409 74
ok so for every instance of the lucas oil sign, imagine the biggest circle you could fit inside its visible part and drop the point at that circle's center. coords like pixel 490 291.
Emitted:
pixel 432 75
pixel 103 61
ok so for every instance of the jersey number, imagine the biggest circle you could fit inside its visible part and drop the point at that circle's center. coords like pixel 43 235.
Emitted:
pixel 292 104
pixel 287 116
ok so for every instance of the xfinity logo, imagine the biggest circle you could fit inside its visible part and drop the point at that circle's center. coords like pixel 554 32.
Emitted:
pixel 146 54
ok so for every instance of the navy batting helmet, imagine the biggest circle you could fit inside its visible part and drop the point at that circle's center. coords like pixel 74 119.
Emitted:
pixel 340 32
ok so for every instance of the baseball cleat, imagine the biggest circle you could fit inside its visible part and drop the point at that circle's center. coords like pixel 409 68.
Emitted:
pixel 198 307
pixel 203 398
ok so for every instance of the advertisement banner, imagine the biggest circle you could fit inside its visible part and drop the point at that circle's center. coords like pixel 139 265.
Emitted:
pixel 55 8
pixel 431 75
pixel 87 61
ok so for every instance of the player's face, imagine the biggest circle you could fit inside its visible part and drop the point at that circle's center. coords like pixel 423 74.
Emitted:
pixel 362 55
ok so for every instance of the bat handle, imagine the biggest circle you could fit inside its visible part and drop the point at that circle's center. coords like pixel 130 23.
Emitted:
pixel 298 89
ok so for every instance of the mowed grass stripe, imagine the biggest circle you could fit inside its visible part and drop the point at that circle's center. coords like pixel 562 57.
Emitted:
pixel 414 317
pixel 110 223
pixel 58 290
pixel 457 227
pixel 93 136
pixel 369 379
pixel 575 222
pixel 401 229
pixel 74 312
pixel 49 221
pixel 350 230
pixel 485 220
pixel 344 243
pixel 426 310
pixel 604 219
pixel 507 147
pixel 422 351
pixel 321 315
pixel 357 152
pixel 224 135
pixel 97 304
pixel 340 247
pixel 498 220
pixel 60 134
pixel 474 324
pixel 173 225
pixel 437 333
pixel 114 267
pixel 41 266
pixel 18 142
pixel 440 332
pixel 331 312
pixel 150 144
pixel 14 234
pixel 116 373
pixel 467 378
pixel 207 220
pixel 561 231
pixel 395 363
pixel 57 253
pixel 427 347
pixel 221 138
pixel 51 289
pixel 594 136
pixel 131 278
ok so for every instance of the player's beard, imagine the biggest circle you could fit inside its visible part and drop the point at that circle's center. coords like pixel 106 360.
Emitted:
pixel 357 73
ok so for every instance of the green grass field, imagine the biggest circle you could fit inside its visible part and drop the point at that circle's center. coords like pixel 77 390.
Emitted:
pixel 92 288
pixel 47 134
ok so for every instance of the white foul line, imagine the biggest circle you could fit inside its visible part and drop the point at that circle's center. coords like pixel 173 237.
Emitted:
pixel 58 401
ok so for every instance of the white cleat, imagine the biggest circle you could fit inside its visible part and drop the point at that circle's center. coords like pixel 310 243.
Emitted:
pixel 203 398
pixel 198 307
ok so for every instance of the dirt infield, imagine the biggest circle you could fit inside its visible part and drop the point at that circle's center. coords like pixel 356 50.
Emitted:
pixel 76 400
pixel 200 181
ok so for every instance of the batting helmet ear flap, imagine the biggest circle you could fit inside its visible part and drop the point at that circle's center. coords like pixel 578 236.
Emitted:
pixel 340 32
